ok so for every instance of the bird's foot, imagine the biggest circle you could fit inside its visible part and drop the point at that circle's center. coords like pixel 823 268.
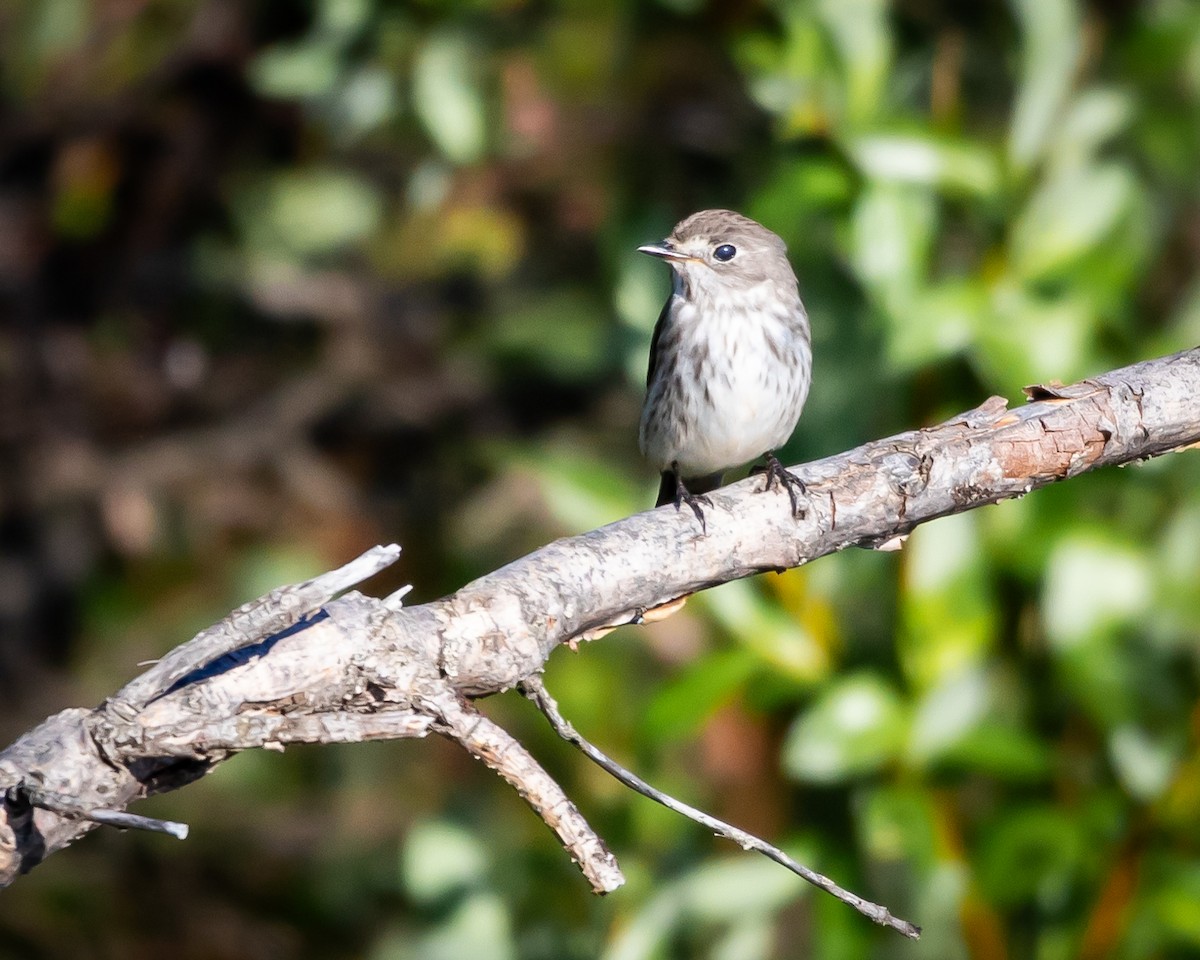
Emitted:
pixel 693 500
pixel 779 475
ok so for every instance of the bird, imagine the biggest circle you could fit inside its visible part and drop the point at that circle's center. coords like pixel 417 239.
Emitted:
pixel 730 359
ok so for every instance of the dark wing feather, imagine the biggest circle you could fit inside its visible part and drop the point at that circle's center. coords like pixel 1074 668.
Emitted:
pixel 666 488
pixel 658 329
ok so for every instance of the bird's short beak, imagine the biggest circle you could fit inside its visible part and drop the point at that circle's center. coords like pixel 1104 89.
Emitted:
pixel 663 250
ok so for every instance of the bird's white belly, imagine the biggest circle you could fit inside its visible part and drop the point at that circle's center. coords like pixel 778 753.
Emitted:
pixel 741 402
pixel 747 418
pixel 741 434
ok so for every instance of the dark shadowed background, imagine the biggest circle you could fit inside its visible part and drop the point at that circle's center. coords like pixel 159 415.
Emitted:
pixel 280 280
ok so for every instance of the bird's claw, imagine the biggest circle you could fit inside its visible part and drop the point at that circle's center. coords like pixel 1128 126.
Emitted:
pixel 693 500
pixel 779 475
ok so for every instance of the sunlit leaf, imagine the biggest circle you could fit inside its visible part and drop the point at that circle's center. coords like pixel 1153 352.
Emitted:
pixel 1093 584
pixel 1067 216
pixel 957 166
pixel 441 858
pixel 309 212
pixel 305 70
pixel 933 322
pixel 947 714
pixel 790 74
pixel 763 628
pixel 856 727
pixel 893 228
pixel 343 19
pixel 796 190
pixel 448 97
pixel 367 99
pixel 1095 117
pixel 1051 43
pixel 725 893
pixel 1029 337
pixel 1145 763
pixel 1173 901
pixel 480 927
pixel 861 35
pixel 949 614
pixel 728 889
pixel 580 490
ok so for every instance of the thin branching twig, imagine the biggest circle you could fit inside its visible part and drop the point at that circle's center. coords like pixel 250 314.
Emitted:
pixel 536 691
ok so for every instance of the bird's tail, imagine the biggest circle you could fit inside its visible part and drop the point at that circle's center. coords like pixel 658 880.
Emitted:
pixel 695 486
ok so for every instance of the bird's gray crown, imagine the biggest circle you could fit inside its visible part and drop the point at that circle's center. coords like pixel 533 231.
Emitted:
pixel 725 226
pixel 721 248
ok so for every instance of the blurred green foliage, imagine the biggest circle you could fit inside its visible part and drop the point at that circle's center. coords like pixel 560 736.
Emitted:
pixel 284 279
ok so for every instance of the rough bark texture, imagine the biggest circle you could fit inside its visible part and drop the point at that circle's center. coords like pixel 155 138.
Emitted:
pixel 300 666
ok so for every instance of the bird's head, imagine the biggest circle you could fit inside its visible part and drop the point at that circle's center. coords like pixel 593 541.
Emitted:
pixel 720 249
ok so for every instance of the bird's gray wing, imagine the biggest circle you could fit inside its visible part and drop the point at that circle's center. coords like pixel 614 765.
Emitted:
pixel 658 329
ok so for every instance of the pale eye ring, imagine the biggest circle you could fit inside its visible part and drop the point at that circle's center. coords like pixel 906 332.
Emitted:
pixel 725 252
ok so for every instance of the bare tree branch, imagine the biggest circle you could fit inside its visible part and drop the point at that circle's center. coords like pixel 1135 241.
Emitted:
pixel 535 690
pixel 299 666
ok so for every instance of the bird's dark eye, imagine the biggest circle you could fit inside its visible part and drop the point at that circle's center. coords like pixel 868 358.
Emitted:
pixel 725 252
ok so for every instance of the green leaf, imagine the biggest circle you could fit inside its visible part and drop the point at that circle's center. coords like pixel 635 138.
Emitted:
pixel 1174 900
pixel 1068 215
pixel 933 322
pixel 947 714
pixel 1095 117
pixel 308 212
pixel 303 70
pixel 789 73
pixel 893 229
pixel 729 893
pixel 810 183
pixel 956 166
pixel 759 624
pixel 686 701
pixel 58 27
pixel 862 37
pixel 1092 585
pixel 999 751
pixel 1144 762
pixel 441 858
pixel 448 97
pixel 365 101
pixel 579 489
pixel 343 20
pixel 1031 337
pixel 1051 44
pixel 948 612
pixel 565 334
pixel 899 824
pixel 856 727
pixel 1033 855
pixel 728 889
pixel 480 928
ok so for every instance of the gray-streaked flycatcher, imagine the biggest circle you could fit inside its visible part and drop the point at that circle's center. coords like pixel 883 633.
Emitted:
pixel 730 360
